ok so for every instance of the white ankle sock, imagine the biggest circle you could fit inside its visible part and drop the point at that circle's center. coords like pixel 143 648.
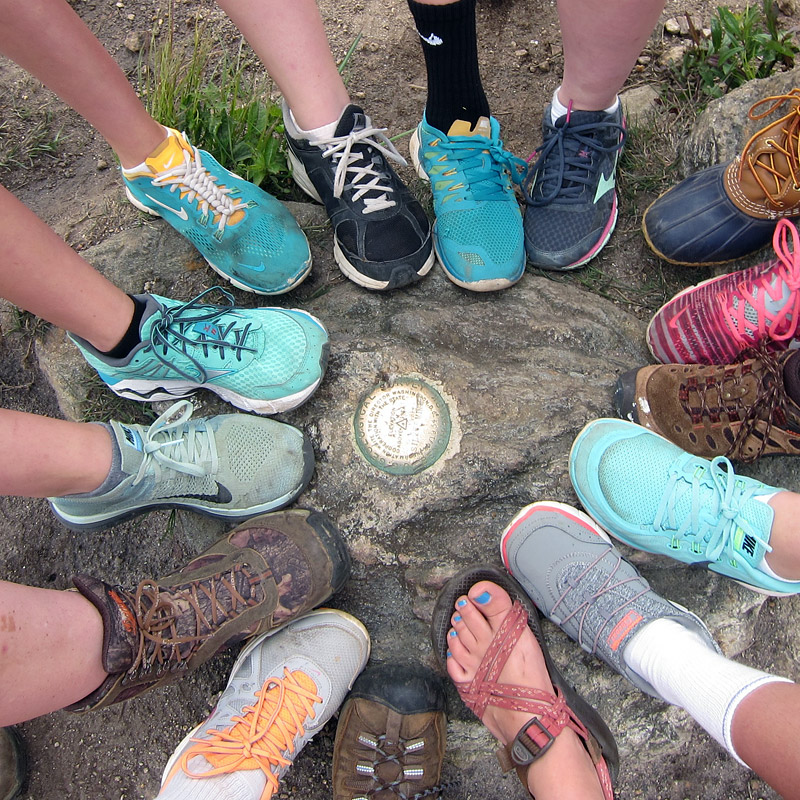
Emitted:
pixel 558 109
pixel 688 673
pixel 323 132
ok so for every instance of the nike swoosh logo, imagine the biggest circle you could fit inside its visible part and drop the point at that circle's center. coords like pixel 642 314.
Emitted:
pixel 182 213
pixel 604 185
pixel 674 322
pixel 217 373
pixel 433 39
pixel 222 496
pixel 253 267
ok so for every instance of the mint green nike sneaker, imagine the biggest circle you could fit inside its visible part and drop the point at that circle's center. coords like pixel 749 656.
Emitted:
pixel 231 466
pixel 653 496
pixel 265 360
pixel 245 234
pixel 478 232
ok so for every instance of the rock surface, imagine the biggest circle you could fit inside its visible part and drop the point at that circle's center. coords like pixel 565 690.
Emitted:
pixel 521 371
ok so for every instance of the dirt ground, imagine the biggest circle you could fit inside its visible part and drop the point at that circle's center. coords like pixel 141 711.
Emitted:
pixel 78 193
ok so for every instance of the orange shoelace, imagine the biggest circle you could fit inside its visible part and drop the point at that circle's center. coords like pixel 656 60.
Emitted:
pixel 263 737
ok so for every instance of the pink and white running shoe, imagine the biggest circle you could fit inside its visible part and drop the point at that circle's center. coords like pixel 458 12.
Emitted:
pixel 712 322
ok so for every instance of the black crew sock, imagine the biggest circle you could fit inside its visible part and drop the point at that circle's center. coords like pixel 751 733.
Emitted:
pixel 131 337
pixel 450 45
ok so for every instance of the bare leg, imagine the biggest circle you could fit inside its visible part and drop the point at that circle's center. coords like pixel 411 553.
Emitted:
pixel 290 41
pixel 46 457
pixel 41 274
pixel 602 41
pixel 765 731
pixel 43 632
pixel 785 556
pixel 47 38
pixel 566 771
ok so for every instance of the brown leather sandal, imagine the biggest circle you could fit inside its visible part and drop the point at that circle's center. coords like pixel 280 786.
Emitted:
pixel 554 712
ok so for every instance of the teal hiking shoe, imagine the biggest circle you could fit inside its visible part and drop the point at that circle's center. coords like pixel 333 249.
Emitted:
pixel 580 581
pixel 478 231
pixel 265 360
pixel 652 495
pixel 245 234
pixel 231 466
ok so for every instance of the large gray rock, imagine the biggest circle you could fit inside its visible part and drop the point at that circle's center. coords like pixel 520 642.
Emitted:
pixel 723 129
pixel 520 373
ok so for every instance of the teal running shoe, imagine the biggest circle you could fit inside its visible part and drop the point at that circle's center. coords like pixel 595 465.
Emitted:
pixel 265 360
pixel 246 235
pixel 231 466
pixel 652 495
pixel 478 232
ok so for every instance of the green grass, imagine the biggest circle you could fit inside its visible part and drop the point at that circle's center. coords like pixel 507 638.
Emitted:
pixel 220 103
pixel 102 405
pixel 38 140
pixel 743 45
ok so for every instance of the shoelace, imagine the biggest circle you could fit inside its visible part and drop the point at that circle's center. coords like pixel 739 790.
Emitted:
pixel 172 442
pixel 201 185
pixel 175 330
pixel 162 646
pixel 355 168
pixel 263 735
pixel 788 147
pixel 715 513
pixel 484 164
pixel 782 325
pixel 573 167
pixel 375 754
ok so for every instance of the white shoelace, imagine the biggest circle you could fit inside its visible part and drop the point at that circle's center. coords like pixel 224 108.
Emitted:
pixel 193 177
pixel 363 178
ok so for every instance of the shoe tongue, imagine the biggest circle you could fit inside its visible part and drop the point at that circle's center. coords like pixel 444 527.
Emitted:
pixel 131 446
pixel 791 376
pixel 583 118
pixel 483 127
pixel 167 155
pixel 353 118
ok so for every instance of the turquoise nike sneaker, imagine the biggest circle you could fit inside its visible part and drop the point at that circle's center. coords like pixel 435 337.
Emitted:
pixel 246 235
pixel 478 232
pixel 265 360
pixel 652 495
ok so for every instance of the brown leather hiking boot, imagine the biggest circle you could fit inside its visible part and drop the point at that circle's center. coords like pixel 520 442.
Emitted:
pixel 730 210
pixel 12 764
pixel 263 574
pixel 390 739
pixel 741 410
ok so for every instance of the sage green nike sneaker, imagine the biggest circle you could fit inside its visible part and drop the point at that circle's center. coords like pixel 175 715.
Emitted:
pixel 232 466
pixel 265 360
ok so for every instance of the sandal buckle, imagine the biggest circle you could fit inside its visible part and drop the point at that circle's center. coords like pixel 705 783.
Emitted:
pixel 524 750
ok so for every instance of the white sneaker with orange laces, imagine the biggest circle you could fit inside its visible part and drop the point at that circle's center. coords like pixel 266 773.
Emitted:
pixel 283 688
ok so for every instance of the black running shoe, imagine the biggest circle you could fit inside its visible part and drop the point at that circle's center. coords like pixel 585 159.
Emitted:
pixel 570 189
pixel 382 237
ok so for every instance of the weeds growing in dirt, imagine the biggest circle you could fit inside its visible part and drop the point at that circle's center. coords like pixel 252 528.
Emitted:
pixel 219 104
pixel 743 45
pixel 38 140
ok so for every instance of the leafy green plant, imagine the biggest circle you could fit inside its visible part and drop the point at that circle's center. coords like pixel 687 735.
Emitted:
pixel 743 45
pixel 219 104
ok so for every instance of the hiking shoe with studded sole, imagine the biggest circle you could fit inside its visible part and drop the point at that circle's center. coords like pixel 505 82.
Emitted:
pixel 281 692
pixel 741 410
pixel 245 234
pixel 381 235
pixel 13 764
pixel 650 494
pixel 714 321
pixel 730 210
pixel 231 466
pixel 265 360
pixel 570 195
pixel 262 575
pixel 390 740
pixel 478 230
pixel 580 582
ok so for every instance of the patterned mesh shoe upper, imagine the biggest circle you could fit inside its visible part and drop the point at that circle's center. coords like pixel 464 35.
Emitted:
pixel 263 359
pixel 714 321
pixel 245 234
pixel 728 211
pixel 570 188
pixel 478 231
pixel 652 495
pixel 231 466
